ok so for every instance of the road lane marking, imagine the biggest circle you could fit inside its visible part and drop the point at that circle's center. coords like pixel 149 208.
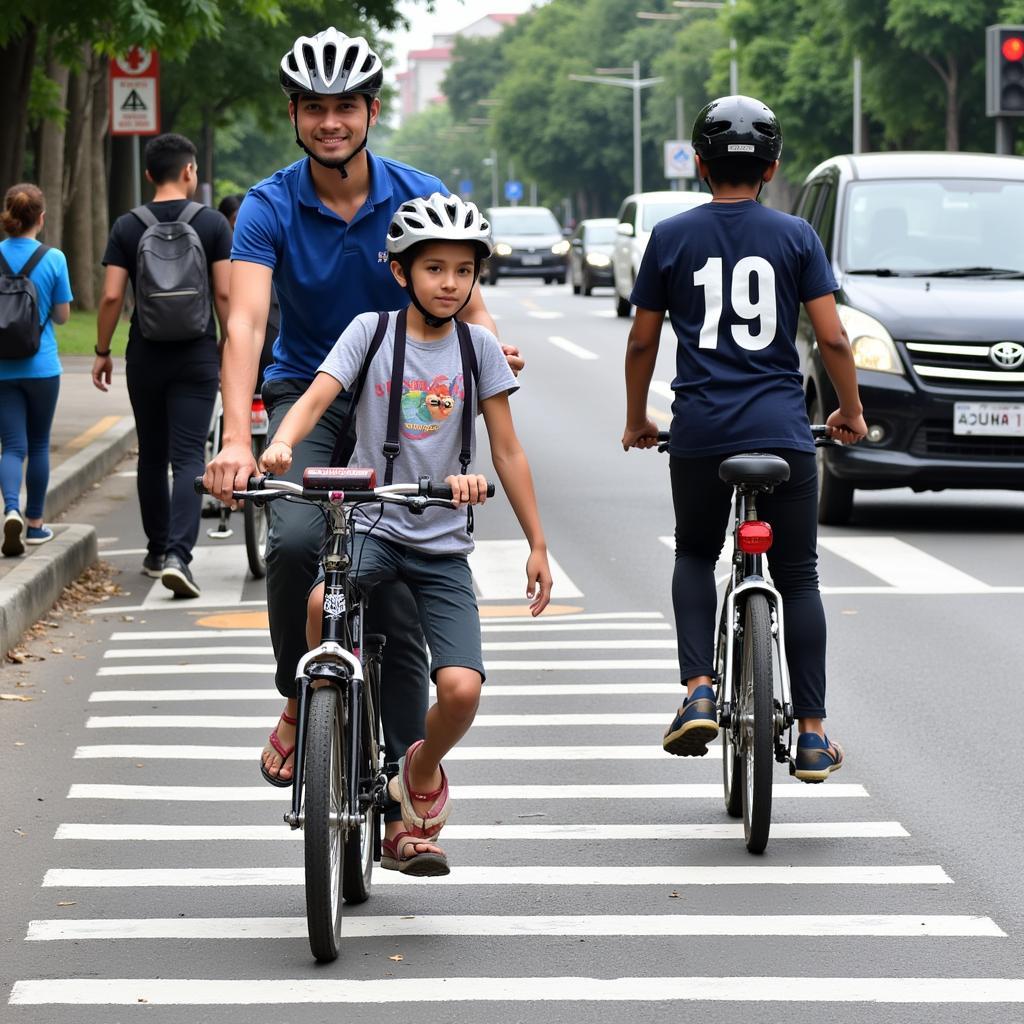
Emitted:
pixel 624 667
pixel 646 925
pixel 572 348
pixel 499 571
pixel 267 794
pixel 545 314
pixel 495 833
pixel 516 874
pixel 263 721
pixel 663 389
pixel 292 991
pixel 101 426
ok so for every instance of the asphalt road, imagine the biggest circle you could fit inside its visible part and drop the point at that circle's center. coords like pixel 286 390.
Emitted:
pixel 594 878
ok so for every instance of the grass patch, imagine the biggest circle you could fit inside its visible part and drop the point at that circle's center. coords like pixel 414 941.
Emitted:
pixel 78 336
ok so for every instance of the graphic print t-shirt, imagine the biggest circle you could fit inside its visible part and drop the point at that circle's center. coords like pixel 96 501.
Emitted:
pixel 732 277
pixel 430 424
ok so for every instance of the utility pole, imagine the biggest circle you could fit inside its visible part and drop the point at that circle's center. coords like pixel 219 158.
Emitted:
pixel 858 121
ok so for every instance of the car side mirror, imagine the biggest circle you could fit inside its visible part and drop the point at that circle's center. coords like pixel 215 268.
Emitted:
pixel 577 243
pixel 625 228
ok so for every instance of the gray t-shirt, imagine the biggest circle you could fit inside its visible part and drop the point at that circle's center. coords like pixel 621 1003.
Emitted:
pixel 430 425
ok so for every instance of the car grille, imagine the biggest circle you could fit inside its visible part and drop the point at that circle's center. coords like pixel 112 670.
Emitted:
pixel 956 365
pixel 936 440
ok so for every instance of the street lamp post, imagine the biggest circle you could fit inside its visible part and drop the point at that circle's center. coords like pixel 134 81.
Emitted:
pixel 636 83
pixel 715 5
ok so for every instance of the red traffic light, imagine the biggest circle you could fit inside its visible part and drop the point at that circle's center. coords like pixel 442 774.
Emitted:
pixel 1013 48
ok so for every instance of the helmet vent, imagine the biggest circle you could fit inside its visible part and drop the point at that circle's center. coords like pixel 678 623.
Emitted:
pixel 293 64
pixel 350 59
pixel 367 64
pixel 433 215
pixel 309 56
pixel 395 230
pixel 330 56
pixel 414 222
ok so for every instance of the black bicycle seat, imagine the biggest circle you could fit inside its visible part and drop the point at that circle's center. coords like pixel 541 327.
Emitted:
pixel 754 469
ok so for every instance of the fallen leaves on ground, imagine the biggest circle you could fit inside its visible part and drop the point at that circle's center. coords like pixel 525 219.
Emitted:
pixel 15 696
pixel 398 958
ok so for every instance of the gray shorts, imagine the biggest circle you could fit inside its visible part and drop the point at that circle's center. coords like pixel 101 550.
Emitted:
pixel 442 586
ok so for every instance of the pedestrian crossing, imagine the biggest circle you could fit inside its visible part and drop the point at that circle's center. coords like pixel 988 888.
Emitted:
pixel 565 806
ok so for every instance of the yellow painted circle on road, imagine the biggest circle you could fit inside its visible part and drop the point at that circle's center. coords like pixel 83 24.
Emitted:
pixel 236 620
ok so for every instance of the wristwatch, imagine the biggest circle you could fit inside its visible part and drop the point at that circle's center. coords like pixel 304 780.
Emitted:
pixel 96 349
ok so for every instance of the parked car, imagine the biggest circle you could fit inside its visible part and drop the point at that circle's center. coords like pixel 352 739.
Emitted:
pixel 926 249
pixel 637 217
pixel 590 258
pixel 528 242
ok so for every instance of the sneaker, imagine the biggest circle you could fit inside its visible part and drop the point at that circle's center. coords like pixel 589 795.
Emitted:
pixel 176 577
pixel 816 758
pixel 695 726
pixel 153 566
pixel 38 535
pixel 14 529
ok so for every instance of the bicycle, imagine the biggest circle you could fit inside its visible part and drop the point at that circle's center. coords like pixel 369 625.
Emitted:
pixel 340 778
pixel 755 710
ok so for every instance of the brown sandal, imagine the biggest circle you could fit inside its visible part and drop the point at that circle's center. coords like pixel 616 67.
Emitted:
pixel 427 864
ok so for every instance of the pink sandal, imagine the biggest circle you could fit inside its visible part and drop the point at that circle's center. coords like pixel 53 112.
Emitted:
pixel 427 864
pixel 430 824
pixel 282 751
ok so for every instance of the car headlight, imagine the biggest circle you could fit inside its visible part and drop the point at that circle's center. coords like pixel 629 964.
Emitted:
pixel 873 347
pixel 561 248
pixel 598 259
pixel 503 249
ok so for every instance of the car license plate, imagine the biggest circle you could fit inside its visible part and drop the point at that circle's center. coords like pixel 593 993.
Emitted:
pixel 988 419
pixel 532 261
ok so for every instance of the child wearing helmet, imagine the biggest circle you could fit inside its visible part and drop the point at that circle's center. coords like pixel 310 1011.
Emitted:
pixel 732 276
pixel 447 370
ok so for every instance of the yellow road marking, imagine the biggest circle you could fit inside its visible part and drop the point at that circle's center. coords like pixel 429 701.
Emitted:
pixel 658 416
pixel 99 427
pixel 529 303
pixel 236 620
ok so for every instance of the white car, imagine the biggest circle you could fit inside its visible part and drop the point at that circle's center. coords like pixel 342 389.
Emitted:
pixel 637 217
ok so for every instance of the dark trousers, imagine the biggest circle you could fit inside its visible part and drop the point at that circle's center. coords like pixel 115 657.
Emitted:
pixel 293 550
pixel 172 389
pixel 27 406
pixel 702 506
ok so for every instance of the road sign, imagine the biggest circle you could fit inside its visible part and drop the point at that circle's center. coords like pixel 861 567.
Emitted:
pixel 135 93
pixel 513 191
pixel 679 162
pixel 465 188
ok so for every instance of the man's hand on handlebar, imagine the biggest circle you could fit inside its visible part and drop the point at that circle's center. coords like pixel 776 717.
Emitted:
pixel 229 471
pixel 467 490
pixel 846 429
pixel 640 437
pixel 276 457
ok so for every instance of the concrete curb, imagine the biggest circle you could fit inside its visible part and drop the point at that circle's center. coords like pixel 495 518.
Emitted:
pixel 74 476
pixel 27 591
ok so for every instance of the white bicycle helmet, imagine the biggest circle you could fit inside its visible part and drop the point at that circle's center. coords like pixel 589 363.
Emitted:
pixel 438 218
pixel 331 64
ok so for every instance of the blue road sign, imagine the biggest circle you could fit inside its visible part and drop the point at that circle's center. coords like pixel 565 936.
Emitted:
pixel 466 187
pixel 513 190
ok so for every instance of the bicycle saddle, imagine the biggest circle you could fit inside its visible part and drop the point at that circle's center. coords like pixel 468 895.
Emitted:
pixel 754 469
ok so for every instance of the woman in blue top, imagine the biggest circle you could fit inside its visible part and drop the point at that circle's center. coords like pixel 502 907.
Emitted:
pixel 29 387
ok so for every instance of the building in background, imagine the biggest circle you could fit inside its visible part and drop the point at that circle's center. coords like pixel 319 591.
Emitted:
pixel 420 84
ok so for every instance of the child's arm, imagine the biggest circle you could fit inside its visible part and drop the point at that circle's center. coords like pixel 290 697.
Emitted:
pixel 641 355
pixel 298 422
pixel 514 472
pixel 847 422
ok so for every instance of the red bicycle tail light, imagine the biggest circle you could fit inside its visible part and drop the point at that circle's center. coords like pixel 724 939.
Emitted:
pixel 1013 48
pixel 258 406
pixel 755 537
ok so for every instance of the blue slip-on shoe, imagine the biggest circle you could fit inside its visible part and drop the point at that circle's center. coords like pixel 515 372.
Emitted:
pixel 38 535
pixel 695 726
pixel 816 757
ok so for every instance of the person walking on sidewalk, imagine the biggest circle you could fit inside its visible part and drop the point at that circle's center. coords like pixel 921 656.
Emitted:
pixel 176 254
pixel 35 294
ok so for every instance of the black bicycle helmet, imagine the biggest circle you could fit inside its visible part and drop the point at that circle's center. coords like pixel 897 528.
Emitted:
pixel 737 126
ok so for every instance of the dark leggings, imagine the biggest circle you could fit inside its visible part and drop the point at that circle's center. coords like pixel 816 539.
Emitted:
pixel 27 406
pixel 702 506
pixel 172 394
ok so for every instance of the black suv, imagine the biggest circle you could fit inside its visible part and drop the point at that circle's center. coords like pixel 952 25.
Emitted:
pixel 927 249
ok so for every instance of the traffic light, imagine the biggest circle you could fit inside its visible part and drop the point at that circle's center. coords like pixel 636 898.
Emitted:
pixel 1004 70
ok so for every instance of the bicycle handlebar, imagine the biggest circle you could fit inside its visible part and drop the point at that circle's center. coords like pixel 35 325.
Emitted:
pixel 819 431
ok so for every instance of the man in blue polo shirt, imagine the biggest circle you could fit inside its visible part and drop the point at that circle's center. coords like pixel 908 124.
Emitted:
pixel 318 230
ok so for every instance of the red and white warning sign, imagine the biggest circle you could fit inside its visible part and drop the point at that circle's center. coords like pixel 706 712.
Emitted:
pixel 135 93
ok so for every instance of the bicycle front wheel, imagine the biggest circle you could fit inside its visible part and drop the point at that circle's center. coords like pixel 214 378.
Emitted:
pixel 757 721
pixel 325 812
pixel 257 525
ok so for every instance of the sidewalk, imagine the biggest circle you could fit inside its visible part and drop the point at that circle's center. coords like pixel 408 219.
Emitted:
pixel 92 430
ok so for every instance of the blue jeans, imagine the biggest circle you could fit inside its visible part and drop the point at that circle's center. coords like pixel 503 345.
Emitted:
pixel 27 406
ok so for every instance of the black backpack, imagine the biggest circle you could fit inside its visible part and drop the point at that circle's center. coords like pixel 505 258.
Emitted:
pixel 172 282
pixel 20 330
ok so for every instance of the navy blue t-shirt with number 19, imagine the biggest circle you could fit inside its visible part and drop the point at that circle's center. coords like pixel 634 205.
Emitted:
pixel 732 277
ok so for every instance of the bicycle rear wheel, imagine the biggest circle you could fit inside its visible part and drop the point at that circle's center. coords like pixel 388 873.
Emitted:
pixel 257 525
pixel 757 722
pixel 325 810
pixel 732 757
pixel 361 839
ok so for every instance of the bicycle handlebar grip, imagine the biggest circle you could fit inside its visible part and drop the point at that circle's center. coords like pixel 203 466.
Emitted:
pixel 197 484
pixel 445 492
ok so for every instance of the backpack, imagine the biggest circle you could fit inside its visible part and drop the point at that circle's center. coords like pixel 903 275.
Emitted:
pixel 172 283
pixel 20 330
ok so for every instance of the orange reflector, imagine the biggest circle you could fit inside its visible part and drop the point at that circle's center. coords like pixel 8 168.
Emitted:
pixel 755 537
